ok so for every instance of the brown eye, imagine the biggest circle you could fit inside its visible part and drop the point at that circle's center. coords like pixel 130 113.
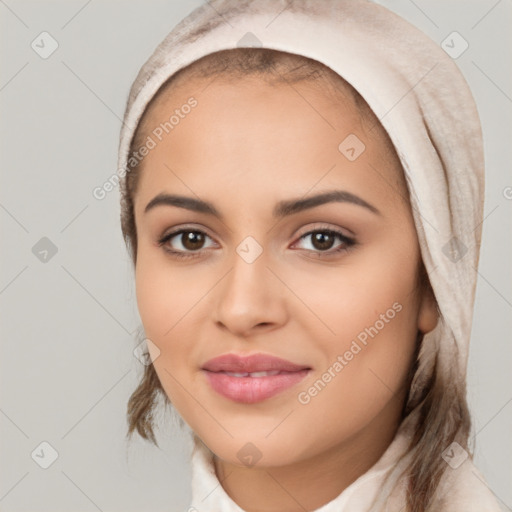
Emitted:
pixel 184 243
pixel 322 240
pixel 192 240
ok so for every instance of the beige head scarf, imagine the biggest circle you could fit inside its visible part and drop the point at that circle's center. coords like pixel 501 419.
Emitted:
pixel 421 99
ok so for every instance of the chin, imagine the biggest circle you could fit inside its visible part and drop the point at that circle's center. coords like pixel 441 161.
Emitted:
pixel 257 449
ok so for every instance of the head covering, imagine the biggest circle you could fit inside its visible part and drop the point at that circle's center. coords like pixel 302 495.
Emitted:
pixel 424 104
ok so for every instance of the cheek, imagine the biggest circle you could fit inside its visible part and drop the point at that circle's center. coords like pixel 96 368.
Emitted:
pixel 160 309
pixel 163 296
pixel 171 306
pixel 374 315
pixel 385 306
pixel 355 296
pixel 365 374
pixel 153 296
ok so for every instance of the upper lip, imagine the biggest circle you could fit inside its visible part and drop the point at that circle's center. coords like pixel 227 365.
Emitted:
pixel 251 363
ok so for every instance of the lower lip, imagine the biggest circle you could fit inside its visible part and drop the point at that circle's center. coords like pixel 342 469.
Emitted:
pixel 249 390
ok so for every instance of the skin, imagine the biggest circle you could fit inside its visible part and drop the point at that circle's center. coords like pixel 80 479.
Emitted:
pixel 246 146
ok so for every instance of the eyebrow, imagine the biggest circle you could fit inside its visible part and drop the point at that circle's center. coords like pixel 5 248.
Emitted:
pixel 282 209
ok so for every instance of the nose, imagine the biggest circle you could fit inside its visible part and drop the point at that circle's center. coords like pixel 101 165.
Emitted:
pixel 250 298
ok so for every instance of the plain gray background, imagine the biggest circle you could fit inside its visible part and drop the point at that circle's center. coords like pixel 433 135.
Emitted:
pixel 69 323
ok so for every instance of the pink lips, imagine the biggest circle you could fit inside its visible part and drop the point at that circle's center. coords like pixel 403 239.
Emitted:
pixel 251 379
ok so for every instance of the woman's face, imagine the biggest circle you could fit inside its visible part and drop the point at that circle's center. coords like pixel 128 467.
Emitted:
pixel 330 286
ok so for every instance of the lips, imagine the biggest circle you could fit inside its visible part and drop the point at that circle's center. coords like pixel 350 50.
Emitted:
pixel 254 378
pixel 250 364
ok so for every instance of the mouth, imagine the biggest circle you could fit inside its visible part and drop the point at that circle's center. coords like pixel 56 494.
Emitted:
pixel 252 374
pixel 252 379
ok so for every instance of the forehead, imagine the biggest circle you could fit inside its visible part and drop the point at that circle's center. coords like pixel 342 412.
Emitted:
pixel 249 131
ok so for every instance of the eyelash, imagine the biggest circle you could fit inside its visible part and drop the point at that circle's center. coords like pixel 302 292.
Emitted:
pixel 348 243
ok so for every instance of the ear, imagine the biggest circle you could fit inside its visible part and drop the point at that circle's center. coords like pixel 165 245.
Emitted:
pixel 428 312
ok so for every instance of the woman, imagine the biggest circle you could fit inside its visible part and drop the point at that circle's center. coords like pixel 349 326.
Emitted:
pixel 302 199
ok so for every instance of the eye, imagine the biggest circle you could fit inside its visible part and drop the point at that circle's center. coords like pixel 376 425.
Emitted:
pixel 190 240
pixel 323 239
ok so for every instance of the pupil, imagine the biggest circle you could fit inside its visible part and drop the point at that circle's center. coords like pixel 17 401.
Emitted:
pixel 322 241
pixel 193 240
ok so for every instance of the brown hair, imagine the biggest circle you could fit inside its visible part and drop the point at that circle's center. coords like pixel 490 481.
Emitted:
pixel 443 410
